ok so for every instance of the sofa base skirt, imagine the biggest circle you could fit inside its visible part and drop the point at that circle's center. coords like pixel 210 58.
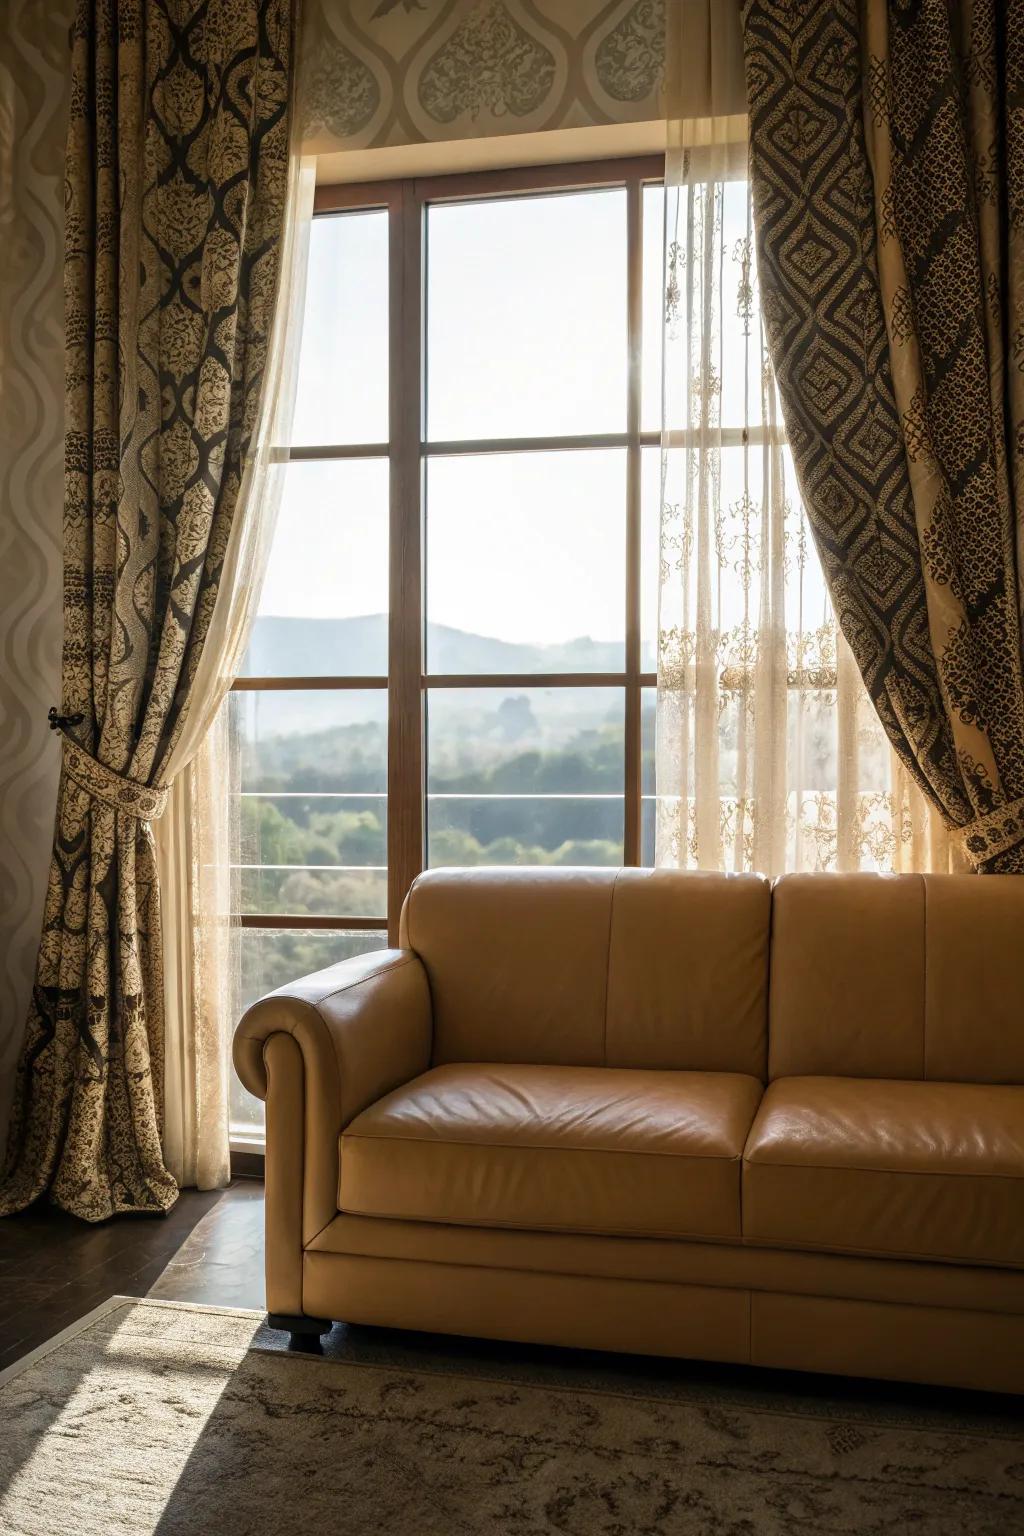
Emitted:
pixel 942 1346
pixel 582 1311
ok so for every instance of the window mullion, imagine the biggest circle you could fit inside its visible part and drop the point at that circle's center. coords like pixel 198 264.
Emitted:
pixel 634 308
pixel 405 628
pixel 313 921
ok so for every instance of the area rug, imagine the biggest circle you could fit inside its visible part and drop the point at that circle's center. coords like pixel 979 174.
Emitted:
pixel 154 1418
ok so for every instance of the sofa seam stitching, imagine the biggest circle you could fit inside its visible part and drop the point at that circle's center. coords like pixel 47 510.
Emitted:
pixel 289 1027
pixel 725 1239
pixel 608 967
pixel 756 1245
pixel 519 1146
pixel 727 1244
pixel 382 970
pixel 307 1247
pixel 806 1245
pixel 924 1173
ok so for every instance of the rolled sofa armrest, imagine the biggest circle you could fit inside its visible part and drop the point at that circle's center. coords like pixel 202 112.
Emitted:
pixel 318 1051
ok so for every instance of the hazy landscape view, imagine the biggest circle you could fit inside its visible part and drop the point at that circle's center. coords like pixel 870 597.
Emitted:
pixel 514 775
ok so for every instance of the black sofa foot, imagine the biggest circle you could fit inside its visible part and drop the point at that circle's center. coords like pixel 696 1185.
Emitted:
pixel 304 1333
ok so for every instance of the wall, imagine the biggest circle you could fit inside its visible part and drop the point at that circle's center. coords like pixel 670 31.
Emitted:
pixel 33 95
pixel 390 72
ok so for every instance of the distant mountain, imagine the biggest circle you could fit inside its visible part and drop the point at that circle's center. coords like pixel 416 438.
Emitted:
pixel 357 647
pixel 301 647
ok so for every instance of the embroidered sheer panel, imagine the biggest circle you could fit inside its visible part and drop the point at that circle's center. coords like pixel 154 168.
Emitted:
pixel 769 755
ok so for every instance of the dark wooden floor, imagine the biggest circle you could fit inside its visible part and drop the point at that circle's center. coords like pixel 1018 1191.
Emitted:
pixel 54 1268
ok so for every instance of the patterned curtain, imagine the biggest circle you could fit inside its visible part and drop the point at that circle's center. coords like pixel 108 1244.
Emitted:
pixel 176 169
pixel 769 755
pixel 887 154
pixel 195 836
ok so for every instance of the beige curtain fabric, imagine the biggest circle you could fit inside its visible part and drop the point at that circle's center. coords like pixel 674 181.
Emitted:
pixel 769 755
pixel 176 176
pixel 195 892
pixel 887 146
pixel 194 837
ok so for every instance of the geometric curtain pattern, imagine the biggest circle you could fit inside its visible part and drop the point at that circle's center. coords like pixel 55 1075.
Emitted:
pixel 176 177
pixel 887 163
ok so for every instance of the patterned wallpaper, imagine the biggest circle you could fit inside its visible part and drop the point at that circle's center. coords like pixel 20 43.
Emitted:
pixel 33 97
pixel 388 72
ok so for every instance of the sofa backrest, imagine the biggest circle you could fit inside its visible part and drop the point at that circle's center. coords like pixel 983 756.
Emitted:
pixel 899 976
pixel 594 967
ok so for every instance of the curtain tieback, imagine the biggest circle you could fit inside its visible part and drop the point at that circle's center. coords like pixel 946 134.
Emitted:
pixel 994 833
pixel 144 801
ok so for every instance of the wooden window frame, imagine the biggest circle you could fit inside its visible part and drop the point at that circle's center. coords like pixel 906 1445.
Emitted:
pixel 407 451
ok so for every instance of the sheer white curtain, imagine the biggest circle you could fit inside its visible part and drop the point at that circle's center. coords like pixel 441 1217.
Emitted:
pixel 194 837
pixel 769 753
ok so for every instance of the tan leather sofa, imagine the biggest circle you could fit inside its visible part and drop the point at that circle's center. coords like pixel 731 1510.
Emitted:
pixel 686 1114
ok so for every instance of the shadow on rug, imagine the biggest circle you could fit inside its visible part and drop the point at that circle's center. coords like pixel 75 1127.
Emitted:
pixel 155 1419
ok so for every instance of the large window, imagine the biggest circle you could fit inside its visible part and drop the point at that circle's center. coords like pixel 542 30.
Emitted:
pixel 454 657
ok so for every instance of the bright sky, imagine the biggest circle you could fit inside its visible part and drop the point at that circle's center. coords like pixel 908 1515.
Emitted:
pixel 526 335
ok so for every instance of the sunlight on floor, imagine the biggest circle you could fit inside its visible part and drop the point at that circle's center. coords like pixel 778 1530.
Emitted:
pixel 142 1382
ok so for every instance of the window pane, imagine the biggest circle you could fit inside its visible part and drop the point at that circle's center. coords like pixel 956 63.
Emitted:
pixel 324 605
pixel 334 891
pixel 342 394
pixel 650 555
pixel 323 828
pixel 313 771
pixel 526 562
pixel 270 957
pixel 478 831
pixel 734 343
pixel 331 740
pixel 315 853
pixel 736 347
pixel 648 804
pixel 734 510
pixel 741 321
pixel 653 307
pixel 525 776
pixel 648 721
pixel 526 316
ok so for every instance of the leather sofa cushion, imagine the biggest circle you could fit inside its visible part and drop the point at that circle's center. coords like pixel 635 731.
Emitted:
pixel 517 961
pixel 897 976
pixel 569 1149
pixel 918 1170
pixel 847 976
pixel 688 972
pixel 661 969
